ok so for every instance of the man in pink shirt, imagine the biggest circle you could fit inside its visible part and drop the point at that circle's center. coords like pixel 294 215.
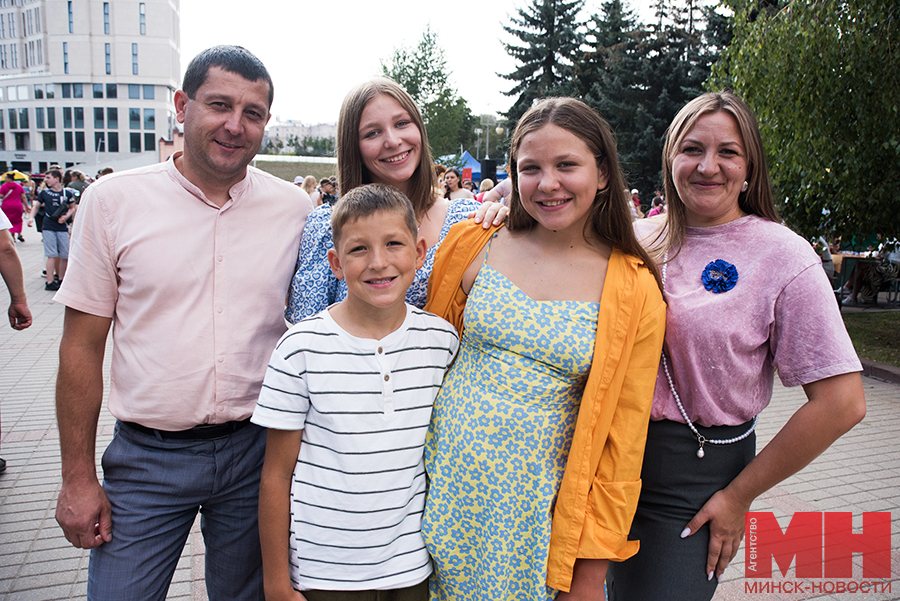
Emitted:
pixel 192 260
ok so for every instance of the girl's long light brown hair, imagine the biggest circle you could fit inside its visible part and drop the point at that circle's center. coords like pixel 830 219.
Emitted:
pixel 352 170
pixel 609 218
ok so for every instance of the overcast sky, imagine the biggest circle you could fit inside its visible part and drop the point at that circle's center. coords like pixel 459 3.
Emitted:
pixel 317 50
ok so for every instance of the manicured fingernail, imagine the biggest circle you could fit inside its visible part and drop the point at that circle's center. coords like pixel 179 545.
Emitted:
pixel 685 533
pixel 721 577
pixel 710 576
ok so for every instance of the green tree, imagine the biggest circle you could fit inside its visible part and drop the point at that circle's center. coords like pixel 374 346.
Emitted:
pixel 551 36
pixel 643 76
pixel 424 74
pixel 824 80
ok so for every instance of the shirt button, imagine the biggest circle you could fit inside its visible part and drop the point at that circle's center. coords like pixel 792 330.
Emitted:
pixel 221 359
pixel 219 310
pixel 386 378
pixel 380 350
pixel 219 258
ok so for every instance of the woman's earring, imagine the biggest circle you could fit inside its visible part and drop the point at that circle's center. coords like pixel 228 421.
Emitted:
pixel 745 186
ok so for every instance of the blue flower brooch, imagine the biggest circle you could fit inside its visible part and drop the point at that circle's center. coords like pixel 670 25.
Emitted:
pixel 719 276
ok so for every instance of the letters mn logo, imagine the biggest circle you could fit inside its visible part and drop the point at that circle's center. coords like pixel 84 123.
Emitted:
pixel 822 543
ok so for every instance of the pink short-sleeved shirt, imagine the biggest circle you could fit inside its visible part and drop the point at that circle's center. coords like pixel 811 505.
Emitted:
pixel 196 293
pixel 723 348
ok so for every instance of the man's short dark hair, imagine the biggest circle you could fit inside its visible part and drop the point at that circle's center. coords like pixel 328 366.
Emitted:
pixel 55 173
pixel 233 59
pixel 10 176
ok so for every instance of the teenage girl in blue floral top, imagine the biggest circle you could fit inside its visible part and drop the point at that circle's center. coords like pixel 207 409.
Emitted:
pixel 381 139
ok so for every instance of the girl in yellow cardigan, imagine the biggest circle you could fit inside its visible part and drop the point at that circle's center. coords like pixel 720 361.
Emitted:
pixel 535 447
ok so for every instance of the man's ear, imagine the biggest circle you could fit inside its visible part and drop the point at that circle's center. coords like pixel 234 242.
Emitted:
pixel 181 99
pixel 335 263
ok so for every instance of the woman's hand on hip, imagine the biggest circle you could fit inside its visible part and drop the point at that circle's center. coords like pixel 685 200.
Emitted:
pixel 725 515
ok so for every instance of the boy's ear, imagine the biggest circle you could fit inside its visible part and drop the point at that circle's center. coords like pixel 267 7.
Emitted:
pixel 335 262
pixel 421 252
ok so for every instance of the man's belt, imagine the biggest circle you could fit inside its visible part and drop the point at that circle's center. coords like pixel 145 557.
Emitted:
pixel 201 432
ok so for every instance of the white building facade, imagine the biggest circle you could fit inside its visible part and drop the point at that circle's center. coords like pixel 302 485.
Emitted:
pixel 86 82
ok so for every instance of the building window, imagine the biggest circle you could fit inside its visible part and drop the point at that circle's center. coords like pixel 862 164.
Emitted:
pixel 51 90
pixel 39 118
pixel 79 141
pixel 1 119
pixel 49 138
pixel 40 52
pixel 3 144
pixel 112 118
pixel 149 118
pixel 22 140
pixel 108 52
pixel 98 117
pixel 38 91
pixel 149 92
pixel 134 60
pixel 4 57
pixel 11 21
pixel 68 141
pixel 112 141
pixel 66 54
pixel 149 141
pixel 99 141
pixel 51 117
pixel 23 118
pixel 66 90
pixel 22 92
pixel 29 23
pixel 77 90
pixel 106 18
pixel 79 117
pixel 135 142
pixel 11 93
pixel 112 90
pixel 142 10
pixel 134 118
pixel 37 20
pixel 71 22
pixel 98 90
pixel 134 91
pixel 67 117
pixel 14 56
pixel 13 121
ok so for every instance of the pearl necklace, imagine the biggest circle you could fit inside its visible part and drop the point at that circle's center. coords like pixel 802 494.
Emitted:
pixel 700 438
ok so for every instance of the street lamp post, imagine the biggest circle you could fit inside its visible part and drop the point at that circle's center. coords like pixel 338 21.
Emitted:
pixel 478 131
pixel 488 121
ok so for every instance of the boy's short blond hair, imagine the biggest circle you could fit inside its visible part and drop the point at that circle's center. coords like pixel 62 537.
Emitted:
pixel 367 200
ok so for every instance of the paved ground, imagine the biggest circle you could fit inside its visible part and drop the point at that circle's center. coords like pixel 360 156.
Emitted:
pixel 860 473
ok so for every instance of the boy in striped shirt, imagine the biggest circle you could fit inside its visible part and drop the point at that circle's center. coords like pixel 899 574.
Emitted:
pixel 347 398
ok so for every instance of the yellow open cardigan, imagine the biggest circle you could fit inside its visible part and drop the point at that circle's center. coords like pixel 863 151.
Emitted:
pixel 602 481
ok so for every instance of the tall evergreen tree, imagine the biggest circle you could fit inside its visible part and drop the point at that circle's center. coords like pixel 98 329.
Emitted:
pixel 646 78
pixel 551 36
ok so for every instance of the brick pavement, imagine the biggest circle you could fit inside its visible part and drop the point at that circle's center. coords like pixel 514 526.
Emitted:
pixel 860 473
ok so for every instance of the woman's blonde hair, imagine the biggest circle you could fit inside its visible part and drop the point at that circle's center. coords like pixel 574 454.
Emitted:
pixel 756 200
pixel 352 170
pixel 309 183
pixel 609 218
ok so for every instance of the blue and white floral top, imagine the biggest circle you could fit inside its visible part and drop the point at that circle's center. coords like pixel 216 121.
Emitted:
pixel 315 287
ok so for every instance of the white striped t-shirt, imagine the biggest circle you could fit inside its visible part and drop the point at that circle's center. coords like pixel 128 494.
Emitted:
pixel 359 484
